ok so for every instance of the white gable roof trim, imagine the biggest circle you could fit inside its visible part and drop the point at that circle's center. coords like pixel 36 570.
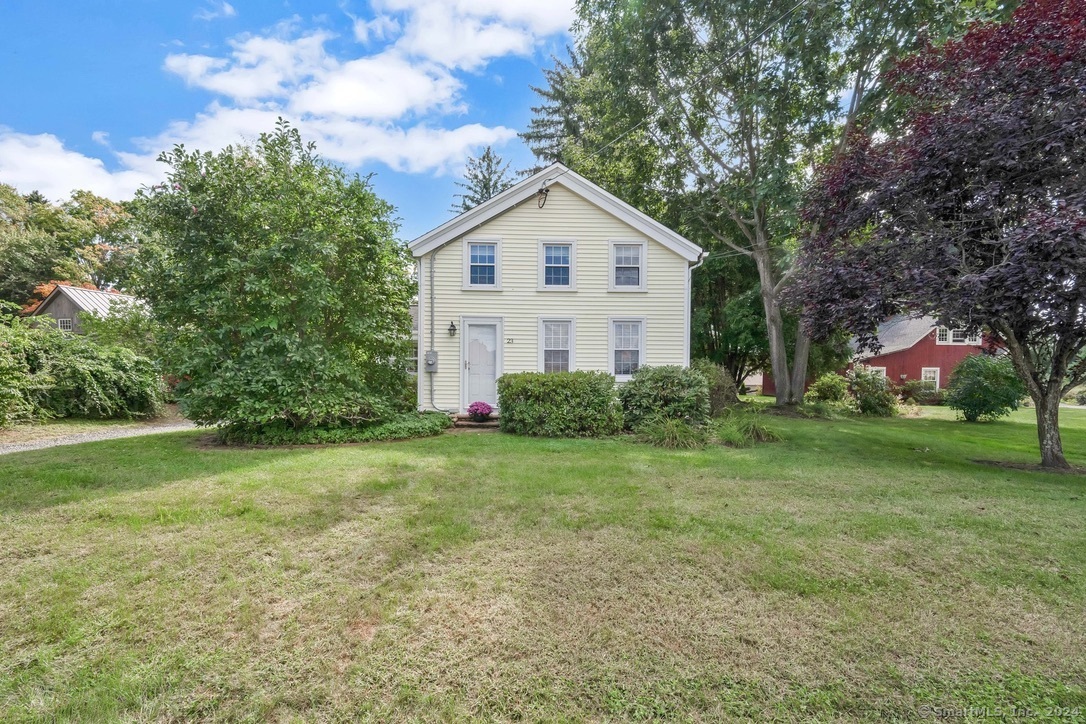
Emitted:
pixel 529 187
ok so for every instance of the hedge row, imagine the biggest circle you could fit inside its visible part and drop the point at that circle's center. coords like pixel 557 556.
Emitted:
pixel 45 373
pixel 587 404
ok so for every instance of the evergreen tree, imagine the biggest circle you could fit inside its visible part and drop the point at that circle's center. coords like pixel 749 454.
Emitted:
pixel 485 177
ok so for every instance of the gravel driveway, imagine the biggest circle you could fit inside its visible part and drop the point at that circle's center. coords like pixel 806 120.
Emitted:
pixel 103 434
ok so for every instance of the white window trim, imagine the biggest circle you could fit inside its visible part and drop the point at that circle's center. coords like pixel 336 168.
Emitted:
pixel 572 286
pixel 930 369
pixel 62 328
pixel 644 287
pixel 497 285
pixel 973 340
pixel 572 340
pixel 642 361
pixel 878 369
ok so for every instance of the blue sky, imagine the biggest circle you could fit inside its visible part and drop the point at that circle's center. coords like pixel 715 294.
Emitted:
pixel 404 89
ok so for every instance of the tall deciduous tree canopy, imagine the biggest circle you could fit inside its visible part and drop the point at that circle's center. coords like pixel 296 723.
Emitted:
pixel 721 109
pixel 485 177
pixel 975 208
pixel 280 284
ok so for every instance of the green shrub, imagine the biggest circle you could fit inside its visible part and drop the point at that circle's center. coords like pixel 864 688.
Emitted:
pixel 560 404
pixel 983 387
pixel 921 392
pixel 400 427
pixel 670 432
pixel 1080 397
pixel 722 391
pixel 743 428
pixel 826 410
pixel 830 387
pixel 91 381
pixel 871 392
pixel 45 373
pixel 672 391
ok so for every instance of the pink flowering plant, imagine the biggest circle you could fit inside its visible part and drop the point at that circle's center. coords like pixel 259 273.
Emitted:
pixel 479 410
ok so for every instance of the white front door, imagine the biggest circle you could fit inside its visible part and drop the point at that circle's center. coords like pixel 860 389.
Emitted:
pixel 482 361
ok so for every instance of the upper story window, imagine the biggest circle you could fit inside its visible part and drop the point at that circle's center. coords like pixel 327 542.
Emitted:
pixel 557 265
pixel 482 264
pixel 956 336
pixel 65 325
pixel 627 266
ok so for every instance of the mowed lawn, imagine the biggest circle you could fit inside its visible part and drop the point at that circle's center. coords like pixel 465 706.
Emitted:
pixel 857 570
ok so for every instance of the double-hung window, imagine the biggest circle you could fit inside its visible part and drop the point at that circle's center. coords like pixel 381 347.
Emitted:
pixel 627 347
pixel 930 375
pixel 556 337
pixel 956 336
pixel 482 264
pixel 627 266
pixel 557 265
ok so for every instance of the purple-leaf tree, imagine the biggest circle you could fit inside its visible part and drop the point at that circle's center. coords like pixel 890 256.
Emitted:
pixel 973 209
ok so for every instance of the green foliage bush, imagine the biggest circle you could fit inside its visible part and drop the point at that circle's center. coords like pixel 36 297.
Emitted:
pixel 280 432
pixel 45 373
pixel 830 387
pixel 281 284
pixel 984 387
pixel 871 392
pixel 561 404
pixel 670 432
pixel 722 391
pixel 1080 397
pixel 921 392
pixel 743 428
pixel 676 392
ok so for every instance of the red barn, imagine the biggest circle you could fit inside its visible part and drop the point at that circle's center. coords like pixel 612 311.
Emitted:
pixel 915 349
pixel 919 349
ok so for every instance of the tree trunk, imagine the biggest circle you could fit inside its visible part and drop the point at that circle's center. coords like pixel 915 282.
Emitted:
pixel 1048 429
pixel 799 365
pixel 778 350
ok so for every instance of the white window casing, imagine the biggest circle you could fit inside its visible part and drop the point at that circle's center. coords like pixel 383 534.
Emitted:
pixel 65 324
pixel 557 263
pixel 943 335
pixel 557 344
pixel 880 370
pixel 482 264
pixel 628 271
pixel 930 374
pixel 625 346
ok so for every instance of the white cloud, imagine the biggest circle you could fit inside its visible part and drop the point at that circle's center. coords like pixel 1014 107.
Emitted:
pixel 41 162
pixel 214 10
pixel 384 86
pixel 258 67
pixel 391 104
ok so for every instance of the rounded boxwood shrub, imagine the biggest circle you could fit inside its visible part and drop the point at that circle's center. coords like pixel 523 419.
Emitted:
pixel 983 387
pixel 679 393
pixel 559 404
pixel 830 387
pixel 871 392
pixel 722 392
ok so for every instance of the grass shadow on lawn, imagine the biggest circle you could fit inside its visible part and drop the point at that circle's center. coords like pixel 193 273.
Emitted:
pixel 38 479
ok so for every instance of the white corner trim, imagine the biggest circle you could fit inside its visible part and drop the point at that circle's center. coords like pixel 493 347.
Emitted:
pixel 541 274
pixel 497 285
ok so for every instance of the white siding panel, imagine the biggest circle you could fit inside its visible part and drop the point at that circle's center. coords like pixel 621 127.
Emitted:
pixel 520 303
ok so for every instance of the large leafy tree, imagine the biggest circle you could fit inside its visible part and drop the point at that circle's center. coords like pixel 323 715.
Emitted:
pixel 279 283
pixel 485 177
pixel 975 208
pixel 733 102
